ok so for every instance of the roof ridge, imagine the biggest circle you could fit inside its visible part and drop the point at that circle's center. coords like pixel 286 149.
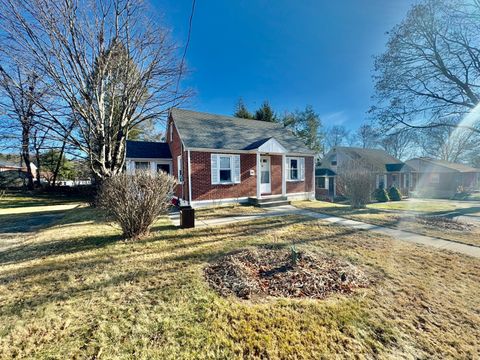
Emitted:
pixel 228 117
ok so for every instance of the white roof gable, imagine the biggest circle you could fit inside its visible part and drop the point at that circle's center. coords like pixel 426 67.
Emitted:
pixel 272 146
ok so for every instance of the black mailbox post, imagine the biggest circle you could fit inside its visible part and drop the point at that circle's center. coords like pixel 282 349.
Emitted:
pixel 187 217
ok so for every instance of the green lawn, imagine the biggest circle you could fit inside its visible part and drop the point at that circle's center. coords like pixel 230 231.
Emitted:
pixel 415 205
pixel 376 214
pixel 76 290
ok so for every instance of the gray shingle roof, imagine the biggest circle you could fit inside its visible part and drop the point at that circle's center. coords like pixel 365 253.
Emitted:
pixel 374 157
pixel 209 131
pixel 148 150
pixel 420 164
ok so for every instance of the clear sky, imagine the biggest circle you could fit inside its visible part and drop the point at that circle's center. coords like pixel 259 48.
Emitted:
pixel 292 53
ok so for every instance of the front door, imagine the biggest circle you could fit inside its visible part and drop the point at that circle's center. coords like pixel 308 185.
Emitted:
pixel 331 185
pixel 265 178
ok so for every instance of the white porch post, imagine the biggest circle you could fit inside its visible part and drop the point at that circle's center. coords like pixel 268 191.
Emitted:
pixel 284 173
pixel 259 195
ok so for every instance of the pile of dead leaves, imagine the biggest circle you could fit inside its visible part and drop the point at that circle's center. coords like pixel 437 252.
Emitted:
pixel 444 223
pixel 272 272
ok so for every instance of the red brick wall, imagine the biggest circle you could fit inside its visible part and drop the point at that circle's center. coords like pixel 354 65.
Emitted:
pixel 176 149
pixel 202 189
pixel 276 174
pixel 303 186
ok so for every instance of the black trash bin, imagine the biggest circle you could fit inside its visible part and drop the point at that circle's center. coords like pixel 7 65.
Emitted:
pixel 187 217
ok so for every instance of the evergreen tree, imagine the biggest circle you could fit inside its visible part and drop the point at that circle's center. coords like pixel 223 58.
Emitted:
pixel 265 113
pixel 241 110
pixel 307 126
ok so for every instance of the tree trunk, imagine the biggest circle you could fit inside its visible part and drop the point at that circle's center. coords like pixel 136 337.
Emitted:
pixel 59 163
pixel 26 155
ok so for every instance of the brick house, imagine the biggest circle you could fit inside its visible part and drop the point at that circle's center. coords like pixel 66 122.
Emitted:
pixel 219 159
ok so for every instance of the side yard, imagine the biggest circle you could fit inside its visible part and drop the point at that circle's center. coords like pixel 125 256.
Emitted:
pixel 75 289
pixel 414 217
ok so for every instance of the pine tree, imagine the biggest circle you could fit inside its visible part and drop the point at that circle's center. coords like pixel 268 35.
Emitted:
pixel 265 113
pixel 241 110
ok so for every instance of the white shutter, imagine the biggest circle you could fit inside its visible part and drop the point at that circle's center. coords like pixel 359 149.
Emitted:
pixel 302 168
pixel 214 168
pixel 287 169
pixel 236 168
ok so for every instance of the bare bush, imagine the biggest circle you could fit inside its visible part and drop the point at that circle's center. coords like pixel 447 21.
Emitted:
pixel 357 180
pixel 135 201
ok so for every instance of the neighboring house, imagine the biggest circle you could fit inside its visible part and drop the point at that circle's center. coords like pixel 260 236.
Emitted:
pixel 11 172
pixel 218 159
pixel 440 178
pixel 389 171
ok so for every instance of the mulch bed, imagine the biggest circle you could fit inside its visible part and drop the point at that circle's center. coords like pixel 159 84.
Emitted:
pixel 261 272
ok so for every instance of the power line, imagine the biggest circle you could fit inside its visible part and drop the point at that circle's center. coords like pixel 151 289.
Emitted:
pixel 182 62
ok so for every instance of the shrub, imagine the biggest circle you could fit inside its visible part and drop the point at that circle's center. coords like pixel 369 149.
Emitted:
pixel 394 194
pixel 355 178
pixel 135 201
pixel 381 195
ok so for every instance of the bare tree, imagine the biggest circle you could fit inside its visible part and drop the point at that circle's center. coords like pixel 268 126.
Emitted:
pixel 429 76
pixel 22 91
pixel 336 135
pixel 356 180
pixel 366 137
pixel 400 144
pixel 108 61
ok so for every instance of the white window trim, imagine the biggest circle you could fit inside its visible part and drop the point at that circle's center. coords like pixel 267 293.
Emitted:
pixel 179 169
pixel 301 173
pixel 171 132
pixel 232 170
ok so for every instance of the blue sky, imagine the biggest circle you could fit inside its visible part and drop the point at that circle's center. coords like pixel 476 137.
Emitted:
pixel 292 53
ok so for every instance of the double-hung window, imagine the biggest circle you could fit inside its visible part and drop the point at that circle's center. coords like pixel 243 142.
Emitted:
pixel 295 169
pixel 225 169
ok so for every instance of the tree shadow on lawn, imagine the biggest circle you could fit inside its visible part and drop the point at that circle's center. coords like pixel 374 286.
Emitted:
pixel 139 264
pixel 27 200
pixel 31 222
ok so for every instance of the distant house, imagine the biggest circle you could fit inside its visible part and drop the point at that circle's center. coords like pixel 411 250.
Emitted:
pixel 14 174
pixel 218 159
pixel 389 171
pixel 440 178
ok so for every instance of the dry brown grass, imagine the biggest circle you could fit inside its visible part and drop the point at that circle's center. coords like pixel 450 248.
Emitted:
pixel 76 291
pixel 226 211
pixel 407 222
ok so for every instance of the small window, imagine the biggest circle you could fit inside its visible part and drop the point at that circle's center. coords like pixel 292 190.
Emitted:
pixel 180 169
pixel 434 178
pixel 163 167
pixel 142 165
pixel 171 132
pixel 320 182
pixel 334 160
pixel 225 169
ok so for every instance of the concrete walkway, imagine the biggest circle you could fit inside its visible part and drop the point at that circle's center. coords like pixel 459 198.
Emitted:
pixel 397 234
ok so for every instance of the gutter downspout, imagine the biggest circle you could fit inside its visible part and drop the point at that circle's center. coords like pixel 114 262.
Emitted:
pixel 189 179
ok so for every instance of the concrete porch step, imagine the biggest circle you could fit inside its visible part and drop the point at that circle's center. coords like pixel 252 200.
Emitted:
pixel 273 203
pixel 266 199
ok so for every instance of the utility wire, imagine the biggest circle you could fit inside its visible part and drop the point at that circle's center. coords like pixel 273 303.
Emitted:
pixel 182 62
